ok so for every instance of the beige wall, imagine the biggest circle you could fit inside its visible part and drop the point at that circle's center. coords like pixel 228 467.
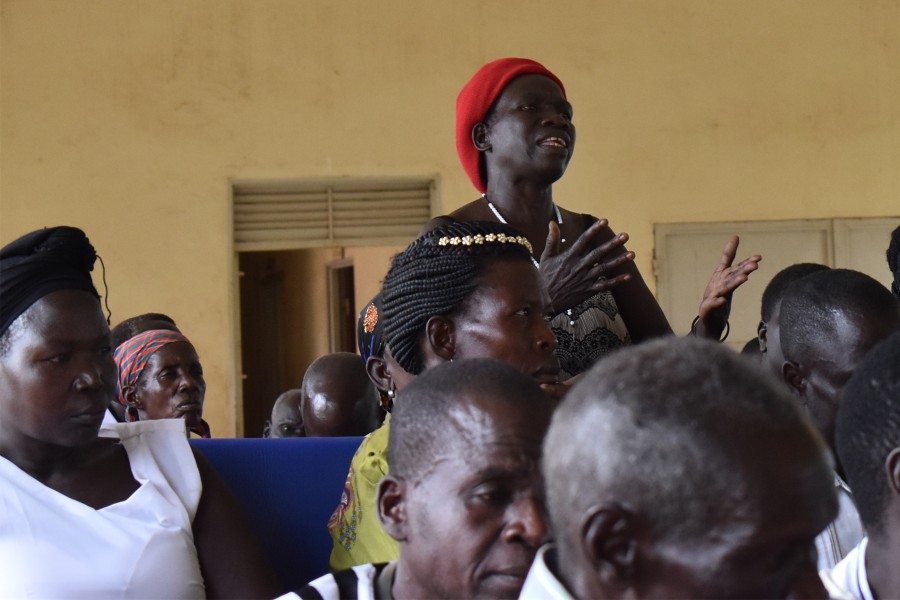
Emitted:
pixel 130 119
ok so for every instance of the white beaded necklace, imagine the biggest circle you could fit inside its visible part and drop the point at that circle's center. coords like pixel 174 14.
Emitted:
pixel 537 265
pixel 500 218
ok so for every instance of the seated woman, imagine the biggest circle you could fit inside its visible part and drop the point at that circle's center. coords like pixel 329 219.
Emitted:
pixel 126 511
pixel 515 137
pixel 463 290
pixel 160 377
pixel 123 332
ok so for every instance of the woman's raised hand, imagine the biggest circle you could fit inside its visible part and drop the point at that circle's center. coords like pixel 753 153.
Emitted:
pixel 590 265
pixel 716 304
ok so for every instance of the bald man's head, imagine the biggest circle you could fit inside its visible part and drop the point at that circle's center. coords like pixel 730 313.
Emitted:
pixel 338 399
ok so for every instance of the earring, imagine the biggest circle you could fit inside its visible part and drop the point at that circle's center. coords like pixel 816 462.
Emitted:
pixel 387 400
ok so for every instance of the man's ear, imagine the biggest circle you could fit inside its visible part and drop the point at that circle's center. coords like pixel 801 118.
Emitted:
pixel 391 502
pixel 762 333
pixel 892 467
pixel 440 340
pixel 480 137
pixel 129 392
pixel 609 542
pixel 795 376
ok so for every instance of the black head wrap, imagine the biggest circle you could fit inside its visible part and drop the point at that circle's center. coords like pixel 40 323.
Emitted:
pixel 40 262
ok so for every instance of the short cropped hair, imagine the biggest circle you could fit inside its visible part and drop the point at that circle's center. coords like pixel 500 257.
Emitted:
pixel 435 274
pixel 774 292
pixel 660 426
pixel 814 306
pixel 868 428
pixel 419 422
pixel 129 328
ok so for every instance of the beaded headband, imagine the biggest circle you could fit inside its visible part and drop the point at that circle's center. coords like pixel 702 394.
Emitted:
pixel 488 238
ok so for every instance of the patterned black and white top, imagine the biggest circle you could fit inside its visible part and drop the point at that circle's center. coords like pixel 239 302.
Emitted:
pixel 588 332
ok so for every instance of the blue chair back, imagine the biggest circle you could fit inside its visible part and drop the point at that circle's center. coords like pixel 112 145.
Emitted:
pixel 288 488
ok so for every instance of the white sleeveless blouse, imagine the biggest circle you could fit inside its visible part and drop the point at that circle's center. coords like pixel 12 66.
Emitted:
pixel 143 547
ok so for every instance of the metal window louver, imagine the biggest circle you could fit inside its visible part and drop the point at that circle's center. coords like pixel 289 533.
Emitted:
pixel 281 216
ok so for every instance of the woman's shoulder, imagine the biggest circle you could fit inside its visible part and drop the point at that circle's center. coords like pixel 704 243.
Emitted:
pixel 370 460
pixel 585 220
pixel 476 210
pixel 158 450
pixel 374 443
pixel 473 211
pixel 150 430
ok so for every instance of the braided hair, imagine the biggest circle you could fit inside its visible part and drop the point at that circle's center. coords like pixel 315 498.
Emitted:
pixel 435 274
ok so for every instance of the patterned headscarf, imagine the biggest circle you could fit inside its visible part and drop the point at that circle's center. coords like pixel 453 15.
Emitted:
pixel 132 357
pixel 134 354
pixel 476 99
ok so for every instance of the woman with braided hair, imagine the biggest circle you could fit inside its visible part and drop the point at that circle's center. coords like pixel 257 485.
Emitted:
pixel 469 290
pixel 515 137
pixel 462 290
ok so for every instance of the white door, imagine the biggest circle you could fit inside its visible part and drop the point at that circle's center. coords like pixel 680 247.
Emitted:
pixel 686 253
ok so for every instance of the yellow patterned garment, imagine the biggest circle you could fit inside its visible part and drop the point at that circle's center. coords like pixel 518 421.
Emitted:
pixel 356 531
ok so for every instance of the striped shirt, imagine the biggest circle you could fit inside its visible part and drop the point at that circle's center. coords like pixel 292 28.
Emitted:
pixel 362 582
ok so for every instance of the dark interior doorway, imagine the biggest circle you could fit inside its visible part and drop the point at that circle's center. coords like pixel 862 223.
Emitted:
pixel 341 306
pixel 295 305
pixel 261 286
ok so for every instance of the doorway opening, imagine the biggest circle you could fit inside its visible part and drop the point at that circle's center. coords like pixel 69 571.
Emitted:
pixel 295 306
pixel 310 254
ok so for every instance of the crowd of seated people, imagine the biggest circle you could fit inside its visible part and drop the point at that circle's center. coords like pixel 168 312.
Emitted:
pixel 532 428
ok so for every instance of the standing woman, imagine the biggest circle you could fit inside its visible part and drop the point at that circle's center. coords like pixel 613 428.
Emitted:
pixel 515 137
pixel 123 511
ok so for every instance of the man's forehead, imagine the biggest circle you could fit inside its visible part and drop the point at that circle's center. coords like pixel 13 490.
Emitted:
pixel 514 459
pixel 477 423
pixel 287 404
pixel 478 439
pixel 854 335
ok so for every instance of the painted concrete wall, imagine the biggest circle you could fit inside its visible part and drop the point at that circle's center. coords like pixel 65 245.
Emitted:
pixel 130 119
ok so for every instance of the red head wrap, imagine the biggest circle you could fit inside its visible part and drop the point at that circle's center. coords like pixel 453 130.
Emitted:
pixel 134 354
pixel 477 97
pixel 132 357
